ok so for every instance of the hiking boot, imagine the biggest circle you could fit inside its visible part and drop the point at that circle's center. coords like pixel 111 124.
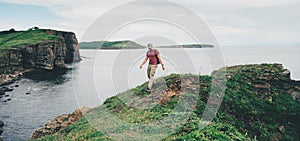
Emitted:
pixel 148 89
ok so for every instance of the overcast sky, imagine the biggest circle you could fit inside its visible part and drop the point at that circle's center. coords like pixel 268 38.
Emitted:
pixel 233 22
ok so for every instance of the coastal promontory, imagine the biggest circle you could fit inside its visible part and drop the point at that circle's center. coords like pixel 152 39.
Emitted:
pixel 260 102
pixel 35 49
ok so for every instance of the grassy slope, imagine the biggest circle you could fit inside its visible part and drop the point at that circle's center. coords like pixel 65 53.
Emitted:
pixel 246 112
pixel 21 38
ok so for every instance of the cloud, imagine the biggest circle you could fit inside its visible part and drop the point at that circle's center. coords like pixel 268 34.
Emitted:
pixel 162 32
pixel 231 20
pixel 239 3
pixel 39 2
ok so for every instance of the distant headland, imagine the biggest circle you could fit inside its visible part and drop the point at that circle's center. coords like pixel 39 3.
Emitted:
pixel 127 44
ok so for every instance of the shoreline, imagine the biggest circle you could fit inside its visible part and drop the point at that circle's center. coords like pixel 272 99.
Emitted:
pixel 17 90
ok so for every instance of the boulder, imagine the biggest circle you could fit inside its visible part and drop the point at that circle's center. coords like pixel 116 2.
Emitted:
pixel 6 89
pixel 1 126
pixel 285 75
pixel 2 92
pixel 262 86
pixel 296 95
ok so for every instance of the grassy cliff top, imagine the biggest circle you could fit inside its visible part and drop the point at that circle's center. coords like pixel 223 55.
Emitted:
pixel 19 38
pixel 257 105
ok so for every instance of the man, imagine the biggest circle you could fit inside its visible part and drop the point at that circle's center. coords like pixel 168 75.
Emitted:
pixel 154 59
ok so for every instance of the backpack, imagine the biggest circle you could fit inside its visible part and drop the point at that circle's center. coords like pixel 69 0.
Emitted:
pixel 157 60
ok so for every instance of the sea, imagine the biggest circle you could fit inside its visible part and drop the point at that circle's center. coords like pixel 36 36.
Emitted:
pixel 38 98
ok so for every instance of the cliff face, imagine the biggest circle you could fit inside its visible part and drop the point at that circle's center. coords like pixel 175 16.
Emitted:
pixel 72 47
pixel 45 55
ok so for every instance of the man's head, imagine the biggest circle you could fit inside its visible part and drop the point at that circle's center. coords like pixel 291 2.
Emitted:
pixel 150 46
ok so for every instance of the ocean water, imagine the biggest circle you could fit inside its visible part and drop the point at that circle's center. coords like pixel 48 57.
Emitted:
pixel 105 73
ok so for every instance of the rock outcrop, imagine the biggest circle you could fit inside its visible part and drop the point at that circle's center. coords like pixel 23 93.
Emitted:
pixel 265 76
pixel 60 122
pixel 1 126
pixel 45 55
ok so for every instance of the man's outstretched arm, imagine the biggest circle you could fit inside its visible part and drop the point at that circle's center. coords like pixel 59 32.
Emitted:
pixel 144 61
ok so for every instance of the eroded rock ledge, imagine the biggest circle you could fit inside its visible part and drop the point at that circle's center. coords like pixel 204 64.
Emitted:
pixel 60 122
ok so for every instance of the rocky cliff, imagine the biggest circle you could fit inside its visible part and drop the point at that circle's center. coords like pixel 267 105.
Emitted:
pixel 44 54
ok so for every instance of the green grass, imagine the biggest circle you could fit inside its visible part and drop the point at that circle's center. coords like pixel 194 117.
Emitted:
pixel 81 130
pixel 21 38
pixel 245 114
pixel 252 110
